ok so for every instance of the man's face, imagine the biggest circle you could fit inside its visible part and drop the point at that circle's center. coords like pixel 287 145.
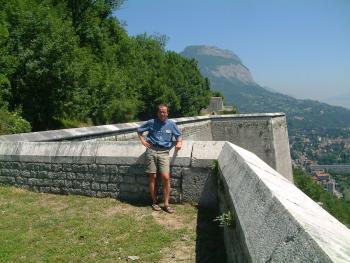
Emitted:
pixel 163 113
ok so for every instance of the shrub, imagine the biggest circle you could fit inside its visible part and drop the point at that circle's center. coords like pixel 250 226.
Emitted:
pixel 12 122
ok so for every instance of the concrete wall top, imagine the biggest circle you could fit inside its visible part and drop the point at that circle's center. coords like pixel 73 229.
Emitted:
pixel 280 223
pixel 105 130
pixel 105 152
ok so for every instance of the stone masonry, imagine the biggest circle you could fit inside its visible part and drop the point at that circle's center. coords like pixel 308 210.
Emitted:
pixel 102 169
pixel 264 134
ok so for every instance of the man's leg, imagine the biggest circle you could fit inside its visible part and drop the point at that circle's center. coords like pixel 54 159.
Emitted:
pixel 166 188
pixel 151 170
pixel 152 187
pixel 164 167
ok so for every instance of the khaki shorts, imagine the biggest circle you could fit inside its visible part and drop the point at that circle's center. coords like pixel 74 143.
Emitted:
pixel 157 161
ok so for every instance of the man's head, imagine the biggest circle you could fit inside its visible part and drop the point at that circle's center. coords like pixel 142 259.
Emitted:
pixel 162 112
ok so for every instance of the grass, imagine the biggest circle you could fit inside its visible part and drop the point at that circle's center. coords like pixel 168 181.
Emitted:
pixel 36 227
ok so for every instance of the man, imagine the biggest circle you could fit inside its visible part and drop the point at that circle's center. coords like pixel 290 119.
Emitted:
pixel 158 142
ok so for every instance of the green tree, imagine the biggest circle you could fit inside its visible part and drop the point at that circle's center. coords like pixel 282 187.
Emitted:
pixel 339 208
pixel 64 62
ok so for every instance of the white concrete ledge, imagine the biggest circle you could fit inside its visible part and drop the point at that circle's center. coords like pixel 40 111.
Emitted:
pixel 275 221
pixel 99 152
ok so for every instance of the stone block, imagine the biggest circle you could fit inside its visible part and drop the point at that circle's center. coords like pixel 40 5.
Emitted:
pixel 25 174
pixel 136 170
pixel 143 180
pixel 75 168
pixel 16 166
pixel 128 188
pixel 74 191
pixel 95 186
pixel 76 152
pixel 89 192
pixel 42 182
pixel 76 184
pixel 92 168
pixel 47 182
pixel 71 176
pixel 102 178
pixel 9 150
pixel 112 187
pixel 175 172
pixel 182 157
pixel 101 169
pixel 42 174
pixel 56 167
pixel 31 181
pixel 67 167
pixel 86 185
pixel 7 180
pixel 52 175
pixel 79 176
pixel 38 152
pixel 111 169
pixel 205 153
pixel 68 184
pixel 16 173
pixel 123 169
pixel 198 186
pixel 5 172
pixel 129 178
pixel 115 178
pixel 89 177
pixel 120 153
pixel 21 180
pixel 45 189
pixel 103 187
pixel 175 182
pixel 103 194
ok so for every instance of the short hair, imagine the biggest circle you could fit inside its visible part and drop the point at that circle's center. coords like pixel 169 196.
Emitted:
pixel 163 105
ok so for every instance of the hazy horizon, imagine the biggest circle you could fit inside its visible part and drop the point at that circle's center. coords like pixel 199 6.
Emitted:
pixel 300 48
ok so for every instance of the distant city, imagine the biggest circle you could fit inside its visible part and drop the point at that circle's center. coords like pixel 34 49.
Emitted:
pixel 326 158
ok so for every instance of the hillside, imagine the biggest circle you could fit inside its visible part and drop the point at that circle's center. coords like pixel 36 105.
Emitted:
pixel 232 78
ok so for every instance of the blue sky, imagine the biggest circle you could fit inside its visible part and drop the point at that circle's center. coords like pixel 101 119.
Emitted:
pixel 300 48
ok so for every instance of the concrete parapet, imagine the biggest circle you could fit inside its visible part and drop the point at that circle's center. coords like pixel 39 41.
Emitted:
pixel 273 220
pixel 265 134
pixel 99 168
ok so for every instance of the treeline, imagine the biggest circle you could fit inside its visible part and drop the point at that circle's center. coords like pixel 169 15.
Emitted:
pixel 68 62
pixel 339 208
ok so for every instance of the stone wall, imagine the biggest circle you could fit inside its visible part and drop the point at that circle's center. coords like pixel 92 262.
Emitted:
pixel 273 220
pixel 104 169
pixel 264 134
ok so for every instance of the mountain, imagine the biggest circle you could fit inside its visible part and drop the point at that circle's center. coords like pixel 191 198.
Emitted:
pixel 232 78
pixel 342 100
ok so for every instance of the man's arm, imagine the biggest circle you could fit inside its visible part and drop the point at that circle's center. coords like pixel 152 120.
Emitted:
pixel 178 136
pixel 144 127
pixel 143 140
pixel 178 144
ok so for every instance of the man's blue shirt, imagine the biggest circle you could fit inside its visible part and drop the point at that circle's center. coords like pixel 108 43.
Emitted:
pixel 160 133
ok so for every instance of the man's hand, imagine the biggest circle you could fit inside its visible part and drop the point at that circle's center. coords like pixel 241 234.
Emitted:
pixel 178 145
pixel 143 141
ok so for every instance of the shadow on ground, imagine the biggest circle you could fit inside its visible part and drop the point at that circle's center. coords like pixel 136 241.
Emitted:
pixel 210 241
